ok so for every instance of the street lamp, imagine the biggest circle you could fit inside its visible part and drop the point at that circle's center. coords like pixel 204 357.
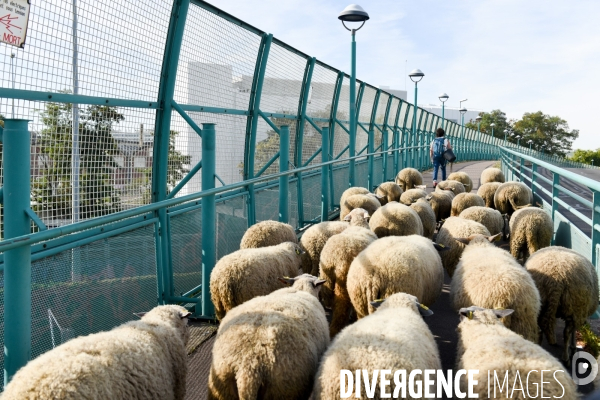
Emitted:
pixel 460 103
pixel 353 13
pixel 443 98
pixel 478 119
pixel 505 133
pixel 530 143
pixel 415 75
pixel 462 132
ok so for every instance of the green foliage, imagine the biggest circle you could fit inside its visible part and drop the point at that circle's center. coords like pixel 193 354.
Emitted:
pixel 591 340
pixel 552 132
pixel 52 191
pixel 587 156
pixel 496 117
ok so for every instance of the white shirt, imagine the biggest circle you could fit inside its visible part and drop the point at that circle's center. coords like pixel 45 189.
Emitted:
pixel 445 144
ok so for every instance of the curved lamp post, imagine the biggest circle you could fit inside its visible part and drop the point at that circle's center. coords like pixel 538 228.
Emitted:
pixel 443 98
pixel 415 75
pixel 462 132
pixel 478 119
pixel 353 13
pixel 492 125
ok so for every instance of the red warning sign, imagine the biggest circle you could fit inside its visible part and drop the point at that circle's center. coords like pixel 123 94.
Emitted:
pixel 14 16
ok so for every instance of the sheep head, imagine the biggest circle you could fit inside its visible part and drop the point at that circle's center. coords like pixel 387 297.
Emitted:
pixel 484 315
pixel 358 217
pixel 402 300
pixel 479 239
pixel 305 283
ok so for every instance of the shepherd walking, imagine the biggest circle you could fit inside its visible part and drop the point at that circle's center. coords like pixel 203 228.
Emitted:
pixel 439 146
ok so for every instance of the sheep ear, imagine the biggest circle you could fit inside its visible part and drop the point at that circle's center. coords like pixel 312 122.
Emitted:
pixel 421 186
pixel 377 303
pixel 465 313
pixel 503 313
pixel 140 314
pixel 463 240
pixel 185 315
pixel 495 238
pixel 428 198
pixel 286 280
pixel 440 247
pixel 348 217
pixel 379 196
pixel 319 282
pixel 424 310
pixel 366 216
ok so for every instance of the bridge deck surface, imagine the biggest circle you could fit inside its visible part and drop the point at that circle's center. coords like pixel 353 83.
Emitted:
pixel 442 324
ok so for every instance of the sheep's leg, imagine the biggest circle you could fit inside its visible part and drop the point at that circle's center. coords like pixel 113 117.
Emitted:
pixel 342 307
pixel 569 340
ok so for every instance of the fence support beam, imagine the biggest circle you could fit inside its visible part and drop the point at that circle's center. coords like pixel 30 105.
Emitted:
pixel 555 193
pixel 17 262
pixel 370 150
pixel 324 174
pixel 332 119
pixel 160 159
pixel 208 216
pixel 284 181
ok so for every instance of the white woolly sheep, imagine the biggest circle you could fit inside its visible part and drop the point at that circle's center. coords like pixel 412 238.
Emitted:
pixel 462 201
pixel 395 264
pixel 427 216
pixel 352 191
pixel 441 203
pixel 454 186
pixel 268 233
pixel 245 274
pixel 270 346
pixel 502 355
pixel 99 366
pixel 487 192
pixel 412 195
pixel 511 196
pixel 492 175
pixel 463 178
pixel 394 338
pixel 336 257
pixel 389 191
pixel 395 219
pixel 313 241
pixel 408 178
pixel 487 276
pixel 491 219
pixel 456 227
pixel 531 229
pixel 369 202
pixel 568 286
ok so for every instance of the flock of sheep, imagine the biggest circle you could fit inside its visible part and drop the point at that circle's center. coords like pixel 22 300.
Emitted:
pixel 377 270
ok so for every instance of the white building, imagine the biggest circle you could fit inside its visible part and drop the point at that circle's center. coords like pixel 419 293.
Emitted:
pixel 451 113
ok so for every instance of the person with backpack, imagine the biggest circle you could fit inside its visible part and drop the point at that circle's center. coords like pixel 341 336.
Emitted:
pixel 438 146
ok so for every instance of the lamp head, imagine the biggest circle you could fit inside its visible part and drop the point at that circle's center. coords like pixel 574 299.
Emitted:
pixel 463 110
pixel 353 13
pixel 492 124
pixel 416 75
pixel 478 119
pixel 443 97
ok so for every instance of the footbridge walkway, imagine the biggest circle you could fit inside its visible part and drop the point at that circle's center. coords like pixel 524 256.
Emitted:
pixel 139 145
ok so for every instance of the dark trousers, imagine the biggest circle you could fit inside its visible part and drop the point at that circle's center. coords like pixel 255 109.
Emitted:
pixel 439 163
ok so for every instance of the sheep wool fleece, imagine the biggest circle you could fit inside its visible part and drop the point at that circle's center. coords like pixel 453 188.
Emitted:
pixel 268 233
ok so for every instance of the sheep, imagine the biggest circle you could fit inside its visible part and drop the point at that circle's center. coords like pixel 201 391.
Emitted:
pixel 245 274
pixel 408 178
pixel 492 175
pixel 462 201
pixel 369 202
pixel 351 191
pixel 396 219
pixel 455 227
pixel 394 338
pixel 394 264
pixel 531 229
pixel 441 203
pixel 267 233
pixel 427 216
pixel 270 346
pixel 487 192
pixel 313 240
pixel 463 178
pixel 491 219
pixel 568 286
pixel 389 191
pixel 336 257
pixel 487 276
pixel 499 353
pixel 100 365
pixel 511 196
pixel 454 186
pixel 412 195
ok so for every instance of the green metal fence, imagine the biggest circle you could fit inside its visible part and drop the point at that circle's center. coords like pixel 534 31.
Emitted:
pixel 158 132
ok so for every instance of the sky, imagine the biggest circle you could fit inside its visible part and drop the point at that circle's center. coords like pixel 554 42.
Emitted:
pixel 511 55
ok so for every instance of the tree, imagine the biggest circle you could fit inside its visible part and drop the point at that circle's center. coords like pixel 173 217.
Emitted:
pixel 587 156
pixel 496 117
pixel 551 132
pixel 53 191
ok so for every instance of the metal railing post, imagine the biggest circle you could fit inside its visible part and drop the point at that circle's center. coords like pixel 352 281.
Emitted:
pixel 370 149
pixel 595 232
pixel 555 193
pixel 17 262
pixel 324 174
pixel 208 215
pixel 533 179
pixel 384 158
pixel 284 181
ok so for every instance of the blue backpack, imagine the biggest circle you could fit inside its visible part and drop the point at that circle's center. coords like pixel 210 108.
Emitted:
pixel 438 147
